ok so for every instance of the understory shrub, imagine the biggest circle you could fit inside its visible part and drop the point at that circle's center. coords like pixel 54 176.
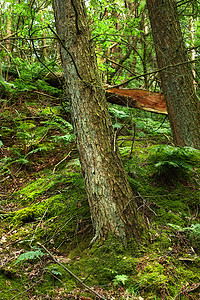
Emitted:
pixel 170 162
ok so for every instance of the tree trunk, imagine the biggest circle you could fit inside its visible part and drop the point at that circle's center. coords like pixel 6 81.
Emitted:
pixel 193 52
pixel 177 82
pixel 112 203
pixel 44 43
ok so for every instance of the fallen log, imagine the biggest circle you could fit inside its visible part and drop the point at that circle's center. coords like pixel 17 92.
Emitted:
pixel 136 98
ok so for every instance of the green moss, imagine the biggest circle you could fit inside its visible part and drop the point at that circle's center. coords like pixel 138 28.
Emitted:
pixel 153 275
pixel 45 185
pixel 50 110
pixel 105 260
pixel 163 274
pixel 159 241
pixel 11 287
pixel 52 218
pixel 52 280
pixel 33 190
pixel 26 215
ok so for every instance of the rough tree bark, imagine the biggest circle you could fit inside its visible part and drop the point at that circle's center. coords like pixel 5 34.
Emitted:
pixel 111 200
pixel 177 82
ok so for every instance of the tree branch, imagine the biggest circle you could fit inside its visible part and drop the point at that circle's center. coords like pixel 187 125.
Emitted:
pixel 154 72
pixel 71 56
pixel 71 273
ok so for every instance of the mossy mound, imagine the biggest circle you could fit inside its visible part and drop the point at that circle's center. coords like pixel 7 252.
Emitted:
pixel 54 206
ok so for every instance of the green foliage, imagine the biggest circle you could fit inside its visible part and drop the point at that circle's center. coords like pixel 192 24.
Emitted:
pixel 121 114
pixel 30 255
pixel 31 135
pixel 44 86
pixel 6 164
pixel 54 271
pixel 66 130
pixel 29 78
pixel 172 161
pixel 140 123
pixel 120 279
pixel 193 232
pixel 115 28
pixel 33 138
pixel 6 87
pixel 177 227
pixel 153 125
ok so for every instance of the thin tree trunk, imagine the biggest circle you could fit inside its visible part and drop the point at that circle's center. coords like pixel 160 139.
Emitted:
pixel 192 54
pixel 44 44
pixel 8 32
pixel 177 82
pixel 112 203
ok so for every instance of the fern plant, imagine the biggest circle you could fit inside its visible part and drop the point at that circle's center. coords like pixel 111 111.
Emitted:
pixel 173 161
pixel 30 255
pixel 193 233
pixel 120 279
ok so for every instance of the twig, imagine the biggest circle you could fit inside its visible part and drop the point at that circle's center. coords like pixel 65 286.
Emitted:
pixel 28 289
pixel 133 139
pixel 145 203
pixel 43 94
pixel 38 226
pixel 121 66
pixel 71 273
pixel 67 50
pixel 56 232
pixel 10 35
pixel 61 161
pixel 35 51
pixel 161 123
pixel 115 138
pixel 154 72
pixel 4 212
pixel 188 290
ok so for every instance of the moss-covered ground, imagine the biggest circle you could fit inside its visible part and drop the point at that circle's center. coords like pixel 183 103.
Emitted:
pixel 43 206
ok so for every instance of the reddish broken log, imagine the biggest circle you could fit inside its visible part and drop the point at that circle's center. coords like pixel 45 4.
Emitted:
pixel 142 99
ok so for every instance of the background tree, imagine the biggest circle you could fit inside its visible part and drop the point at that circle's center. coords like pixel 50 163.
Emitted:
pixel 176 78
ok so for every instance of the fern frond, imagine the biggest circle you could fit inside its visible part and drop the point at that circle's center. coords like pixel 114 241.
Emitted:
pixel 30 255
pixel 166 159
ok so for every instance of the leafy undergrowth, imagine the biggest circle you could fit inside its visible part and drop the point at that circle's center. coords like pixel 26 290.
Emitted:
pixel 45 220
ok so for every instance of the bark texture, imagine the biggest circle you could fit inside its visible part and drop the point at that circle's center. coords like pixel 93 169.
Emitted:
pixel 112 203
pixel 177 82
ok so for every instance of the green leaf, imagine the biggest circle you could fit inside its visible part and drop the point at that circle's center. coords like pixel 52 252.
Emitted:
pixel 120 279
pixel 30 255
pixel 55 272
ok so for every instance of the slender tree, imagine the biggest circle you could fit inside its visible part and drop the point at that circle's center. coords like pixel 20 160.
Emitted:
pixel 176 79
pixel 111 200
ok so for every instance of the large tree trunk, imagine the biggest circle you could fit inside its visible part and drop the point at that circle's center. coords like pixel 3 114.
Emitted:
pixel 177 82
pixel 112 203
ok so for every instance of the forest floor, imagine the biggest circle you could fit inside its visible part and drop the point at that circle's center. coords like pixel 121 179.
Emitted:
pixel 45 220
